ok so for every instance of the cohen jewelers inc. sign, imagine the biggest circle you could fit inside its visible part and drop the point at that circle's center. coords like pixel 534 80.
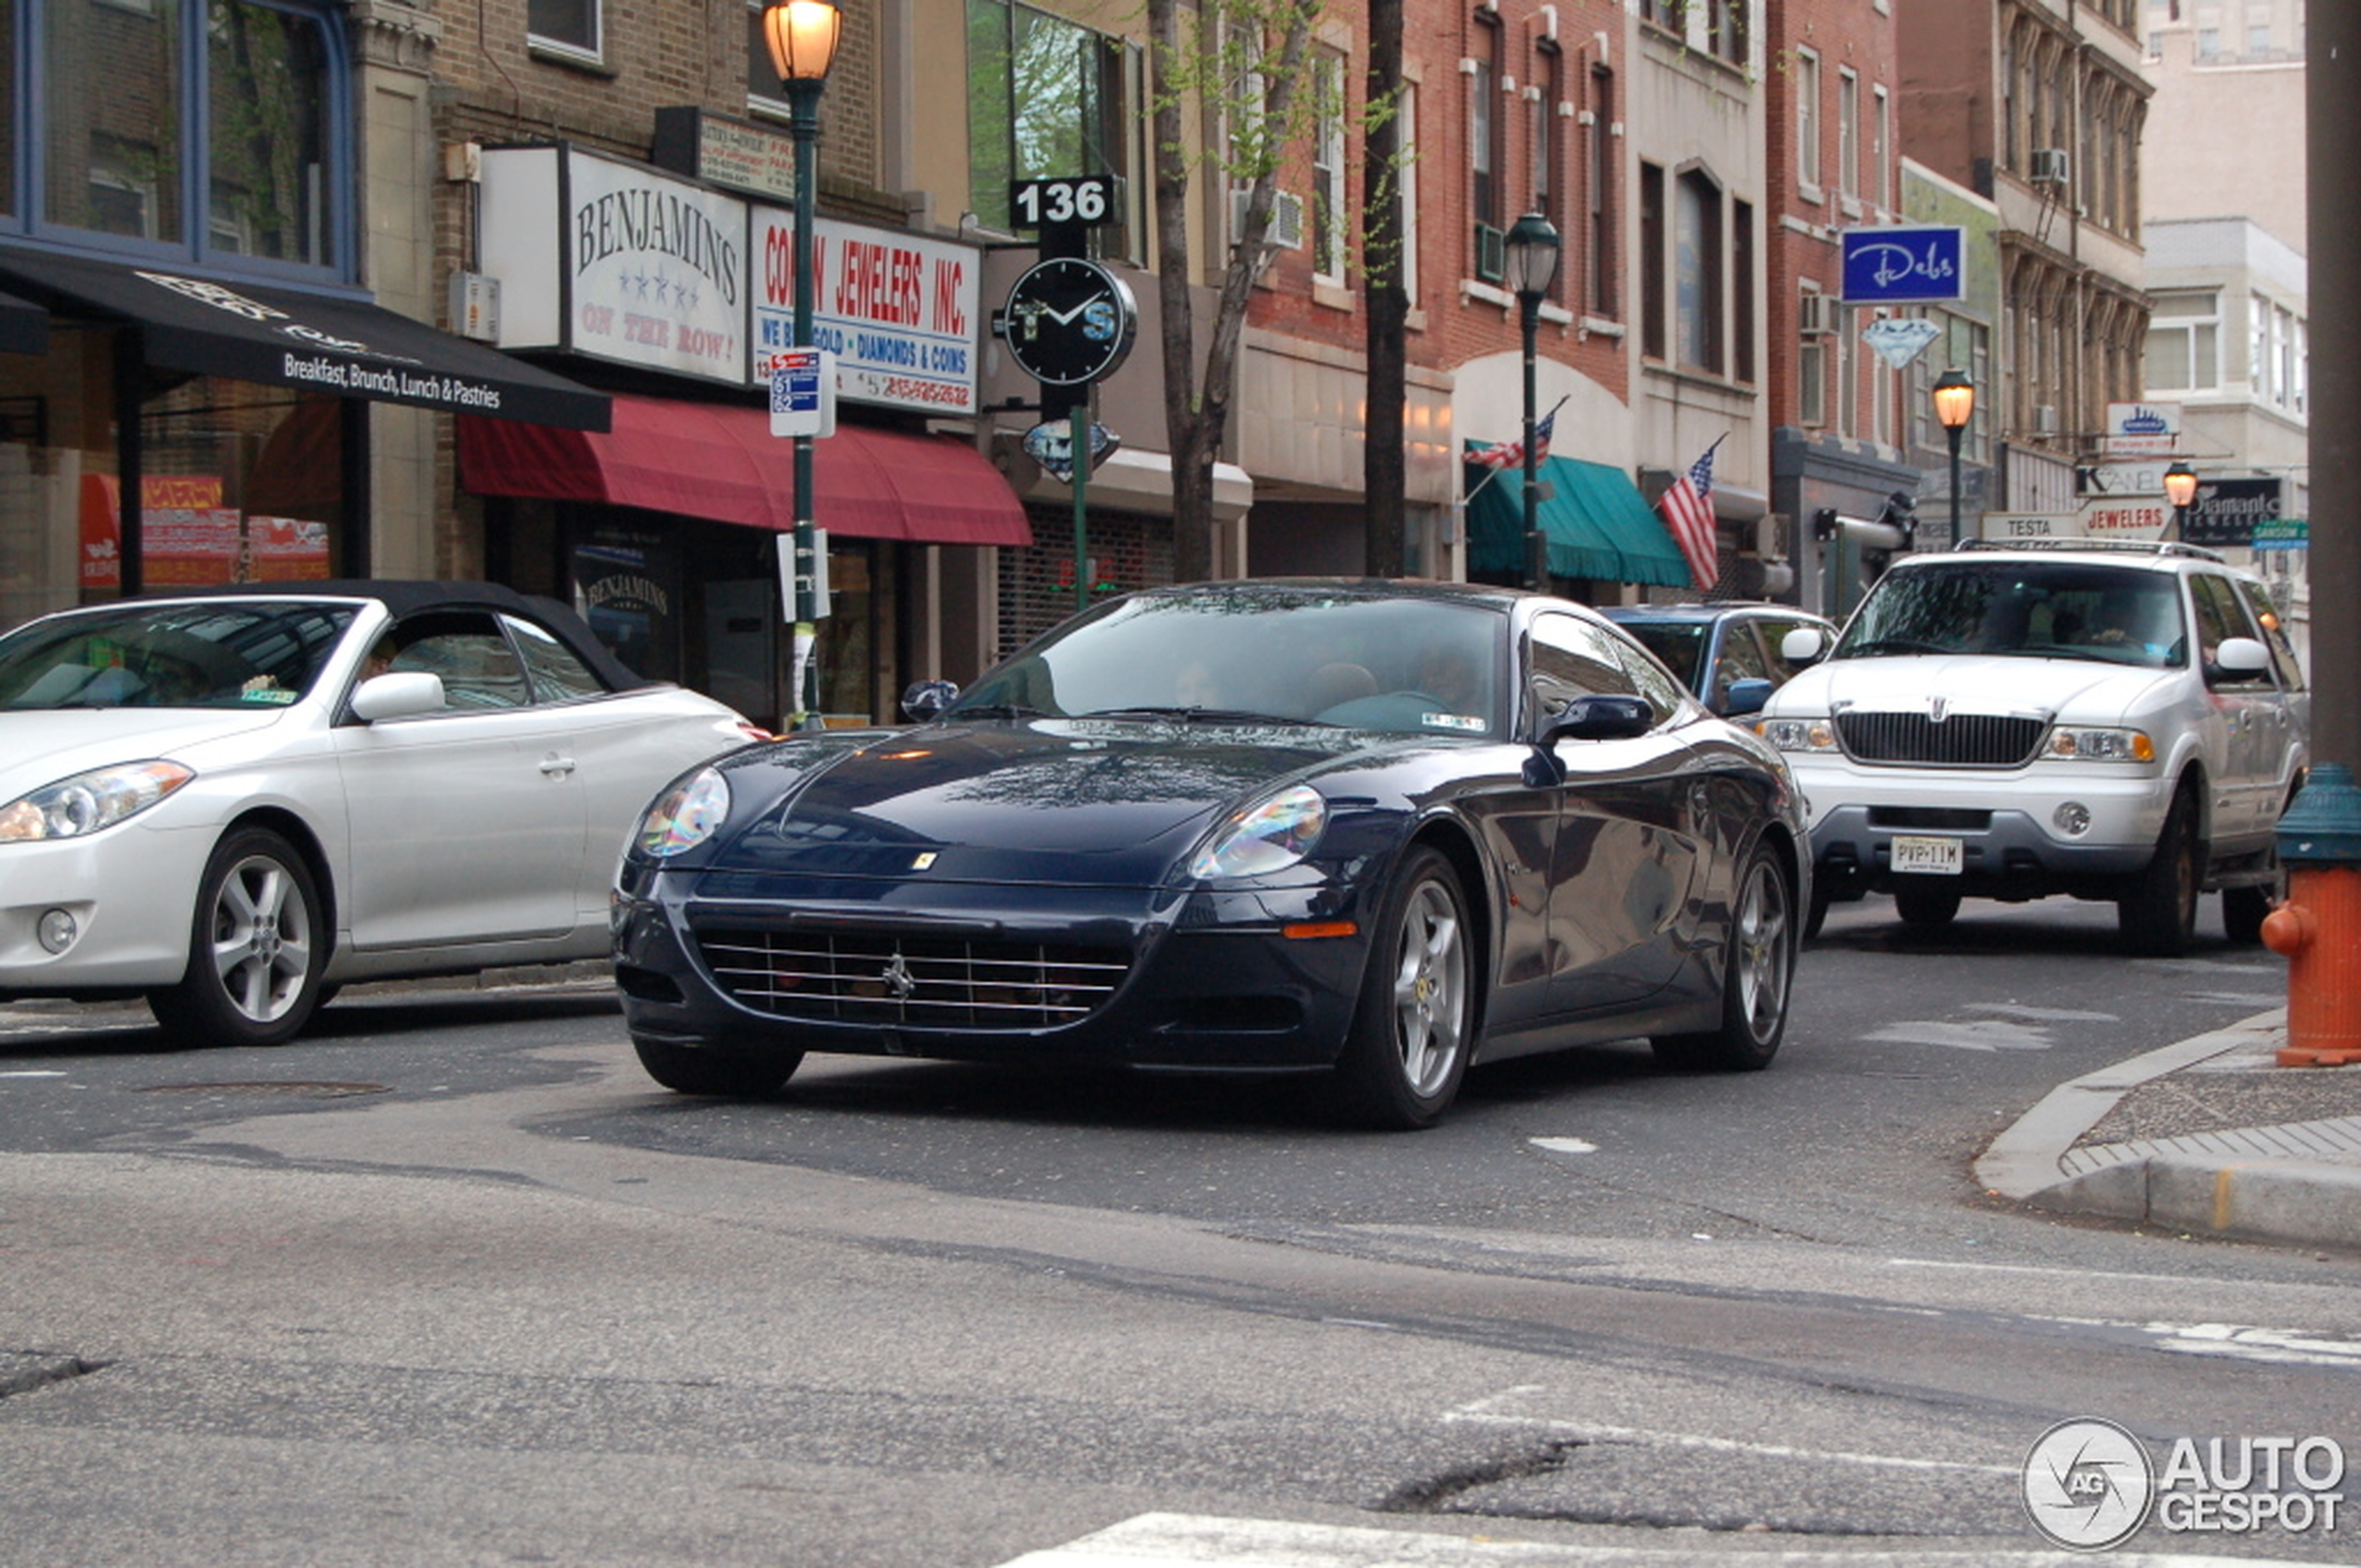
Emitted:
pixel 898 310
pixel 655 267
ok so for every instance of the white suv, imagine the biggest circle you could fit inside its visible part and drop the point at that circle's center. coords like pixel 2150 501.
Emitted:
pixel 2104 719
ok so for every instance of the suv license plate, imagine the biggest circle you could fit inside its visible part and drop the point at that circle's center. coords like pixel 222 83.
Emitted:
pixel 1923 856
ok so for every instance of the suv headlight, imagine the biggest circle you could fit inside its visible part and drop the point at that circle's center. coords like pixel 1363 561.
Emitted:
pixel 87 802
pixel 685 815
pixel 1269 835
pixel 2099 745
pixel 1799 734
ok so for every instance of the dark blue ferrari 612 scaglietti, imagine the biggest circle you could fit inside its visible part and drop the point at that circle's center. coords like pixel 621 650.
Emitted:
pixel 1374 830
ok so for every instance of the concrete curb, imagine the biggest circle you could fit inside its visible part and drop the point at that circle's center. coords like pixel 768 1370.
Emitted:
pixel 2282 1200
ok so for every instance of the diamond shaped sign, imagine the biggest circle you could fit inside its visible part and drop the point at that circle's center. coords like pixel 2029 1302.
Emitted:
pixel 1900 339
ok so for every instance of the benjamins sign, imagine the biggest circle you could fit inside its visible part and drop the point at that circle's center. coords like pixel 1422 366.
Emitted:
pixel 656 268
pixel 1898 266
pixel 897 311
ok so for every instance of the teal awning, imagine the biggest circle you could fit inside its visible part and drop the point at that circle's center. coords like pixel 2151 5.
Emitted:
pixel 1596 523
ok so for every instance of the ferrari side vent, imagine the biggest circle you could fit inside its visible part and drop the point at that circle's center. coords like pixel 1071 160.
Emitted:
pixel 911 981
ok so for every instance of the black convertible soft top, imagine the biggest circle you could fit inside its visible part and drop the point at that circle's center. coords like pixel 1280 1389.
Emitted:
pixel 406 597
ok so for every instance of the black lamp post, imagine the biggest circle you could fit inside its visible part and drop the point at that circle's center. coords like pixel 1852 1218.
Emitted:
pixel 802 38
pixel 1532 251
pixel 2181 489
pixel 1954 405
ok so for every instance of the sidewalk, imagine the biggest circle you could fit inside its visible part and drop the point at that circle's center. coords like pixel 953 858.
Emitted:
pixel 2207 1136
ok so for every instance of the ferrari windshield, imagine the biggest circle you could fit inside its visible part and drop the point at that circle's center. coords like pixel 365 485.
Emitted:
pixel 2044 610
pixel 1408 666
pixel 206 653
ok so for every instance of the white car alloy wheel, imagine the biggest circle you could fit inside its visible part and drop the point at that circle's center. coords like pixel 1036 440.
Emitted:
pixel 257 950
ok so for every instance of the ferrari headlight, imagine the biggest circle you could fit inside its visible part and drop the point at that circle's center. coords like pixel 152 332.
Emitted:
pixel 1799 734
pixel 87 802
pixel 686 815
pixel 2100 745
pixel 1269 835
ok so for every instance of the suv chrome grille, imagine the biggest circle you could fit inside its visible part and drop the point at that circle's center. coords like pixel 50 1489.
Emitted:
pixel 1964 740
pixel 919 981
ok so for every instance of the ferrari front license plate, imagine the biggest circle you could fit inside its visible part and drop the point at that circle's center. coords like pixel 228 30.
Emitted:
pixel 1926 857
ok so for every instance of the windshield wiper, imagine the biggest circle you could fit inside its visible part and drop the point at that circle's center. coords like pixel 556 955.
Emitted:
pixel 1190 715
pixel 994 710
pixel 1894 645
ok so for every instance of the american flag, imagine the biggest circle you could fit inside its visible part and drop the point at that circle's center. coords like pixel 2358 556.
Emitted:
pixel 1688 511
pixel 1511 453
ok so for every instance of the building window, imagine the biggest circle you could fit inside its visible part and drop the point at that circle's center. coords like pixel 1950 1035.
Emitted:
pixel 245 166
pixel 1728 20
pixel 1812 383
pixel 1807 125
pixel 1848 134
pixel 1329 210
pixel 1598 200
pixel 1405 175
pixel 2184 343
pixel 1697 267
pixel 1881 147
pixel 1742 289
pixel 1486 131
pixel 571 25
pixel 1654 264
pixel 2259 346
pixel 1046 98
pixel 1548 165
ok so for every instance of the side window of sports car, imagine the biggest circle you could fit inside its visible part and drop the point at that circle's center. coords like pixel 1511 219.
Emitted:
pixel 480 670
pixel 558 675
pixel 1571 659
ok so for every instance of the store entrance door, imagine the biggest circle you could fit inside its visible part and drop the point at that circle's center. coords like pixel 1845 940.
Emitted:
pixel 742 647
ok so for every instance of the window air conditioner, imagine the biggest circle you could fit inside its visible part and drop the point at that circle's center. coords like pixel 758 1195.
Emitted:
pixel 1491 254
pixel 1818 317
pixel 1287 218
pixel 2050 166
pixel 2045 419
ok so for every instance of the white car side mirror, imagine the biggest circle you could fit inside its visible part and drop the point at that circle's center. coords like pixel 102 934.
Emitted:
pixel 1802 646
pixel 399 696
pixel 2241 658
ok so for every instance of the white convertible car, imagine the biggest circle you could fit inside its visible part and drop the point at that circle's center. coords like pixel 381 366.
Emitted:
pixel 233 801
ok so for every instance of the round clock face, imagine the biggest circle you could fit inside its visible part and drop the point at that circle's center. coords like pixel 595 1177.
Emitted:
pixel 1069 321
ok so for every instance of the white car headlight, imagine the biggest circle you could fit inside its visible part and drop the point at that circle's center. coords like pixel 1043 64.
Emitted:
pixel 87 802
pixel 2100 745
pixel 685 815
pixel 1799 734
pixel 1269 835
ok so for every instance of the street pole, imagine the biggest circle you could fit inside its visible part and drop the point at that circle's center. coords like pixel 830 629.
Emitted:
pixel 803 125
pixel 1078 425
pixel 1537 548
pixel 1955 435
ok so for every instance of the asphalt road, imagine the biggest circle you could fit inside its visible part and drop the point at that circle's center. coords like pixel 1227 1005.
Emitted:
pixel 449 1281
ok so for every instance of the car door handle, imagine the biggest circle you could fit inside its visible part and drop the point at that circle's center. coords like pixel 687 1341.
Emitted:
pixel 556 766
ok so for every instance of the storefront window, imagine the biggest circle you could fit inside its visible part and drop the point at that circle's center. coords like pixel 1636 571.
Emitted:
pixel 240 483
pixel 55 437
pixel 245 163
pixel 848 655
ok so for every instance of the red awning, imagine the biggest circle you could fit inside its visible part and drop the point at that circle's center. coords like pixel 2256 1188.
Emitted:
pixel 711 460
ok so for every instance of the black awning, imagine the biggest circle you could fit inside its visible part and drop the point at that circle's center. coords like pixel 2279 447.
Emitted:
pixel 282 337
pixel 24 327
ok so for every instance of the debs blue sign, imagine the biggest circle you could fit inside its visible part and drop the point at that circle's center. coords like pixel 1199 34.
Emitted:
pixel 1898 266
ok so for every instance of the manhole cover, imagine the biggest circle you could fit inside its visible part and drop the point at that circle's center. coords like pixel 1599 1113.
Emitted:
pixel 295 1088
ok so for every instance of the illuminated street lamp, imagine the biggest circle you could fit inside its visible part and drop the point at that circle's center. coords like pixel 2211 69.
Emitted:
pixel 801 36
pixel 1532 250
pixel 2181 489
pixel 1954 406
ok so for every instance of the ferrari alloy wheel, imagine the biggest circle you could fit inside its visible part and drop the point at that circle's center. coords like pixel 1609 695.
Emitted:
pixel 2158 914
pixel 257 948
pixel 1758 973
pixel 710 1069
pixel 1410 1040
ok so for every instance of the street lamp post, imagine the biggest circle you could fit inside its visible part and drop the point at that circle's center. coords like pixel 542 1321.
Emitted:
pixel 802 39
pixel 1954 405
pixel 1532 249
pixel 2181 489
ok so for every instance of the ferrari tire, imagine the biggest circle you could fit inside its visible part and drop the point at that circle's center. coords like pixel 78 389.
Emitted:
pixel 1929 907
pixel 1817 916
pixel 1411 1030
pixel 1757 976
pixel 257 945
pixel 711 1070
pixel 2157 914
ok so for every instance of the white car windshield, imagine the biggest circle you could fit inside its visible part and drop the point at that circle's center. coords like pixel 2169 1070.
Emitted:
pixel 201 653
pixel 1266 654
pixel 2037 610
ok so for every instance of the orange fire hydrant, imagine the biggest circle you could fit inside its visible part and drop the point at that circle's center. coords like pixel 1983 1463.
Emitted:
pixel 2318 929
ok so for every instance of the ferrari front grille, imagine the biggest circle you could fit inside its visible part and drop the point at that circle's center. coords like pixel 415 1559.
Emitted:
pixel 915 982
pixel 1963 740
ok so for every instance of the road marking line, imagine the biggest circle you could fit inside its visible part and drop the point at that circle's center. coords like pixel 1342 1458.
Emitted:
pixel 1475 1416
pixel 1564 1145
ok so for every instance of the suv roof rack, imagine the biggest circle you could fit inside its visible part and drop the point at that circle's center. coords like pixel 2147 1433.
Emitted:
pixel 2108 547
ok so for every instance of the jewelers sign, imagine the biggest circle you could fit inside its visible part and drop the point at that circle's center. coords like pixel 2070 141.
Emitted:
pixel 897 310
pixel 655 267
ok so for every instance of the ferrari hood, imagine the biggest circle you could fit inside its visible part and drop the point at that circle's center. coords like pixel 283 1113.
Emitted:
pixel 1059 801
pixel 2073 689
pixel 41 746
